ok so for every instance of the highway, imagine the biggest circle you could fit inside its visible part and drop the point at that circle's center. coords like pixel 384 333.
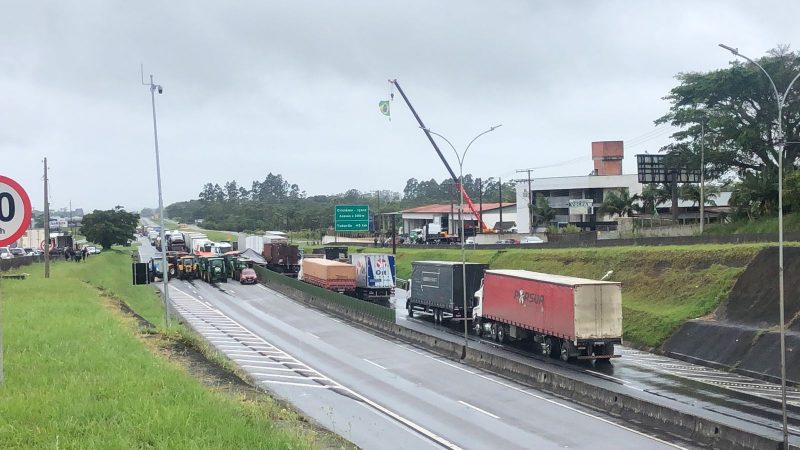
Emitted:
pixel 381 393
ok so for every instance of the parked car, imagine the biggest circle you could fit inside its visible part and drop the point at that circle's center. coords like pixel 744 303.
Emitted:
pixel 30 252
pixel 92 250
pixel 508 241
pixel 532 240
pixel 470 240
pixel 248 276
pixel 5 253
pixel 16 252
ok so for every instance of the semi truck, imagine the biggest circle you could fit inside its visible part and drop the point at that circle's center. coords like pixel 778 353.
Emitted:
pixel 437 287
pixel 375 276
pixel 568 317
pixel 282 258
pixel 332 275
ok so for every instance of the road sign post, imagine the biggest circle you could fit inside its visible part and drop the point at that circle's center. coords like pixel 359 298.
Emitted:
pixel 15 218
pixel 351 217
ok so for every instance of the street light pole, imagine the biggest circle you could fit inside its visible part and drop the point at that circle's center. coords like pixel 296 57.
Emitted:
pixel 702 174
pixel 164 263
pixel 460 159
pixel 781 99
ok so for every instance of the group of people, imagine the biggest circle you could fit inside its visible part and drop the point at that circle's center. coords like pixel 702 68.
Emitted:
pixel 75 254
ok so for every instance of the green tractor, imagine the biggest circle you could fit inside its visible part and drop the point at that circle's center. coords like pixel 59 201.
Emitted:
pixel 236 264
pixel 213 269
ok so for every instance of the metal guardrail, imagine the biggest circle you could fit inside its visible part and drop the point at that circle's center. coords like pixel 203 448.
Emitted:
pixel 13 263
pixel 324 295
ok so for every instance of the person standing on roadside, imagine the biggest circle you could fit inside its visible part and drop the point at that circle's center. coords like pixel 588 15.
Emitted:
pixel 83 253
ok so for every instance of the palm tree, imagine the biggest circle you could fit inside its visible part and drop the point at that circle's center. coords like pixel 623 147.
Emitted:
pixel 621 204
pixel 651 197
pixel 691 192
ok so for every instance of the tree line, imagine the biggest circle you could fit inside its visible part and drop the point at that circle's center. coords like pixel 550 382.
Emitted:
pixel 276 204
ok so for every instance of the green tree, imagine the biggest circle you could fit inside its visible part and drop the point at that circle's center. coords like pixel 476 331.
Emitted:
pixel 543 212
pixel 738 111
pixel 621 204
pixel 651 197
pixel 691 192
pixel 113 226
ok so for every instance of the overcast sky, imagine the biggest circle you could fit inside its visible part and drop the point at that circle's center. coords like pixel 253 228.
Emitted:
pixel 292 87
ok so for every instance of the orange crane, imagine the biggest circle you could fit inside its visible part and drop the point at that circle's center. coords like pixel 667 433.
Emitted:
pixel 459 186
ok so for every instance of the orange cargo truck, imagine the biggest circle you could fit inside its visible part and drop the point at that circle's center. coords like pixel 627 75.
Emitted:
pixel 332 275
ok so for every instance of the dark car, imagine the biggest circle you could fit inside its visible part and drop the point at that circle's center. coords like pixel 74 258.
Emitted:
pixel 248 276
pixel 17 252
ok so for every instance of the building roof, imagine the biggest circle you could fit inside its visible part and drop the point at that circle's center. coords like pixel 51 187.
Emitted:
pixel 445 208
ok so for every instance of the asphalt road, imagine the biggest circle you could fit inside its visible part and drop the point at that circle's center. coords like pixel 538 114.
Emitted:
pixel 380 393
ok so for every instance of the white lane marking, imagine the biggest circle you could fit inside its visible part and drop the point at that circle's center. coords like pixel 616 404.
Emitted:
pixel 374 363
pixel 478 409
pixel 312 335
pixel 294 384
pixel 209 304
pixel 200 297
pixel 296 377
pixel 412 426
pixel 281 369
pixel 258 361
pixel 452 365
pixel 230 291
pixel 581 412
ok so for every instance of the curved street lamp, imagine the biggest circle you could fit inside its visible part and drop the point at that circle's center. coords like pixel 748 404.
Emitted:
pixel 164 264
pixel 781 99
pixel 460 159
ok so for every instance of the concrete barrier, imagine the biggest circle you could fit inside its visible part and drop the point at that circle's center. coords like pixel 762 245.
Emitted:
pixel 695 428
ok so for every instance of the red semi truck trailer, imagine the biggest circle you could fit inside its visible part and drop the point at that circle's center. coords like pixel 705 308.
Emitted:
pixel 569 317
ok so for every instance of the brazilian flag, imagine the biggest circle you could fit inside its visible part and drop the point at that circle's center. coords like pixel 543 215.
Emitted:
pixel 384 107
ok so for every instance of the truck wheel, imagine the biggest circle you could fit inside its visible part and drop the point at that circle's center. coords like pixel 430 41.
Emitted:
pixel 547 346
pixel 565 351
pixel 410 309
pixel 501 334
pixel 478 328
pixel 555 347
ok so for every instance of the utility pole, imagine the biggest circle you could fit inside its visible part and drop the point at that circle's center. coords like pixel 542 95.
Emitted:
pixel 500 187
pixel 480 200
pixel 702 174
pixel 530 200
pixel 46 225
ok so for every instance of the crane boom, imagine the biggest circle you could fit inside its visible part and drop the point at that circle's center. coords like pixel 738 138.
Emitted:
pixel 459 186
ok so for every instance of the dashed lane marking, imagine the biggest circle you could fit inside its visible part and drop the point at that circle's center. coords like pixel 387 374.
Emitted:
pixel 196 314
pixel 374 363
pixel 478 409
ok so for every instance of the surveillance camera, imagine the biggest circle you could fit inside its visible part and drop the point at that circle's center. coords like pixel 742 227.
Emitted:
pixel 160 89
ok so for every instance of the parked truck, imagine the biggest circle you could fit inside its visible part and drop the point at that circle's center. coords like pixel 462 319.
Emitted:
pixel 282 258
pixel 333 275
pixel 568 317
pixel 332 253
pixel 375 276
pixel 437 287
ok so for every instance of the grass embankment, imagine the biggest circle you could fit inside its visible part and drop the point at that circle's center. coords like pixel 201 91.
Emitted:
pixel 662 287
pixel 791 223
pixel 77 375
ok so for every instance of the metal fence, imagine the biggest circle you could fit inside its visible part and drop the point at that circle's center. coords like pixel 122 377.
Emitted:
pixel 325 297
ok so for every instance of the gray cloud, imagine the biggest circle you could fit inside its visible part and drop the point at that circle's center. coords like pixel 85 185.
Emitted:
pixel 292 87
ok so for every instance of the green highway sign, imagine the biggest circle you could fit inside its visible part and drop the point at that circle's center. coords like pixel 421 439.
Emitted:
pixel 351 217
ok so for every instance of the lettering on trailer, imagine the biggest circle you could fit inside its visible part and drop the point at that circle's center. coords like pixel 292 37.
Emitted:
pixel 2 231
pixel 528 297
pixel 430 279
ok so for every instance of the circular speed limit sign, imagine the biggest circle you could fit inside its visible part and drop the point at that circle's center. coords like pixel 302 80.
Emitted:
pixel 15 211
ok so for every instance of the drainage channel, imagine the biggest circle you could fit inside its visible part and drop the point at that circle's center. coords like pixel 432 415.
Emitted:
pixel 267 363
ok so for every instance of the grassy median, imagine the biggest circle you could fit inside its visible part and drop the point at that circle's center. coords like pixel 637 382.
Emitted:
pixel 78 374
